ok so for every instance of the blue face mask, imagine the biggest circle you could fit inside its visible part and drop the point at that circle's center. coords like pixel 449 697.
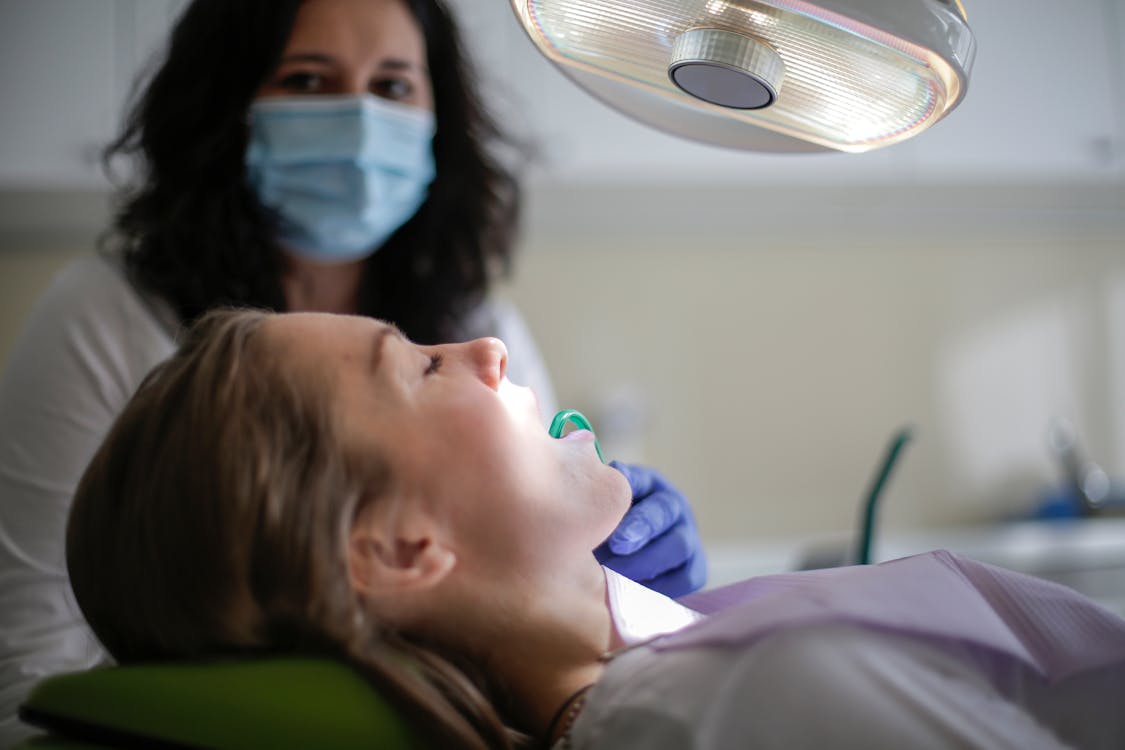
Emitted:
pixel 341 172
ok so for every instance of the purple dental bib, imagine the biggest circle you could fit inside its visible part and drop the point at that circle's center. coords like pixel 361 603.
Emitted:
pixel 938 596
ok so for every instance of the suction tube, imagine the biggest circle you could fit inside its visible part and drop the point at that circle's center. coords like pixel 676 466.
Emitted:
pixel 558 424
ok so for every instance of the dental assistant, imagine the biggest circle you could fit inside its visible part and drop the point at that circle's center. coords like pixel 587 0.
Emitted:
pixel 319 155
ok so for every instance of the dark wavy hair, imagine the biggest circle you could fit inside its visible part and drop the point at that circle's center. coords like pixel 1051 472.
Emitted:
pixel 191 230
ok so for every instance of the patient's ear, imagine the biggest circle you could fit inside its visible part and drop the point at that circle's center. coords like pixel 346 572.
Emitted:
pixel 395 553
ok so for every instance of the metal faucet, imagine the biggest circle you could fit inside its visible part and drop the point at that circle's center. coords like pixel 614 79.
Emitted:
pixel 1089 482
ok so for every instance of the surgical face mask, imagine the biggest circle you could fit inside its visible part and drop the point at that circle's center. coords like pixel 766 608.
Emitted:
pixel 341 172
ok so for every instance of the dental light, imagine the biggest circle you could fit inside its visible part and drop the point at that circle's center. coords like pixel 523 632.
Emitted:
pixel 764 75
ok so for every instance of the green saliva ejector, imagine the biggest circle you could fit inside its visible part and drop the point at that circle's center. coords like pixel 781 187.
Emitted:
pixel 558 424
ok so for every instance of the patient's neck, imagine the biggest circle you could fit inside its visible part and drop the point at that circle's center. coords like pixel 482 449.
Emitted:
pixel 546 667
pixel 550 648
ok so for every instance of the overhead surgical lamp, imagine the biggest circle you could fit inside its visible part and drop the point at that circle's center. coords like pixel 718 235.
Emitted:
pixel 764 75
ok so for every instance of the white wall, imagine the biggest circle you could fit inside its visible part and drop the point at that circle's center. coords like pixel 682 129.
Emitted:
pixel 773 364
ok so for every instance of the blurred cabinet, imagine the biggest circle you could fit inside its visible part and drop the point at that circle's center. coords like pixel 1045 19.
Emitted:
pixel 1047 95
pixel 68 67
pixel 1046 102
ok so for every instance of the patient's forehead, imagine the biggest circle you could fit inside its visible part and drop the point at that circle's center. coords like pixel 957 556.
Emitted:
pixel 343 357
pixel 306 331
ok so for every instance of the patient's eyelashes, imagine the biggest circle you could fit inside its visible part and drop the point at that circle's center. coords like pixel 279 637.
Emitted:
pixel 435 364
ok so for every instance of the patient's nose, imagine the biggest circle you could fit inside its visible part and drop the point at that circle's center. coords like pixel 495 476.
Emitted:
pixel 490 358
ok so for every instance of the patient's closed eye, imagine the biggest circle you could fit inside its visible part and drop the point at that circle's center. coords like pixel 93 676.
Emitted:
pixel 435 364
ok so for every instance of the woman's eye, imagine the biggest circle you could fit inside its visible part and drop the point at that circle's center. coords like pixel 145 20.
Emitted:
pixel 435 364
pixel 302 83
pixel 392 88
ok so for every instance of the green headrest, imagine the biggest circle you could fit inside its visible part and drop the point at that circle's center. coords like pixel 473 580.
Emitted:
pixel 269 703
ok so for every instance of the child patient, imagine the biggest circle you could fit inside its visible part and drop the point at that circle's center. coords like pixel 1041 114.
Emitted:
pixel 319 484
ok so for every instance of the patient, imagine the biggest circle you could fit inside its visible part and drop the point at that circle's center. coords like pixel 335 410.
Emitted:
pixel 319 484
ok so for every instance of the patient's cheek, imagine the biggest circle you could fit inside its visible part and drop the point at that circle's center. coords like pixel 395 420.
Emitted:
pixel 619 493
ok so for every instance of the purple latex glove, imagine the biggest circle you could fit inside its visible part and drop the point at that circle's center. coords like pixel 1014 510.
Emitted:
pixel 657 542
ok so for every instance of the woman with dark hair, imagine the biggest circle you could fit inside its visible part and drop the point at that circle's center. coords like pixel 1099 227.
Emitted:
pixel 319 484
pixel 199 233
pixel 320 155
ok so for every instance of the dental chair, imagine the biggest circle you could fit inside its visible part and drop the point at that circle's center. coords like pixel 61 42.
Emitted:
pixel 278 703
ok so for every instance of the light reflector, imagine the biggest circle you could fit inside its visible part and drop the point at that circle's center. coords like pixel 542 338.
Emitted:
pixel 768 75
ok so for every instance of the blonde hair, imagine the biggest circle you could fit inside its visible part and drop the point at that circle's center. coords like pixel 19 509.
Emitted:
pixel 214 520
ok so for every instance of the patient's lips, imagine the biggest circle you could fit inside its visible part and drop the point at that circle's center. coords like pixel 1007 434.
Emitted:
pixel 578 435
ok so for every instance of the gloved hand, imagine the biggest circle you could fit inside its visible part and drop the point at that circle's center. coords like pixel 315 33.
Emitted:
pixel 657 542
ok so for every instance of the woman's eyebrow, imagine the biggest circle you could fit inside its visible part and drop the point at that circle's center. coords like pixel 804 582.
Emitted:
pixel 395 63
pixel 391 63
pixel 380 337
pixel 314 57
